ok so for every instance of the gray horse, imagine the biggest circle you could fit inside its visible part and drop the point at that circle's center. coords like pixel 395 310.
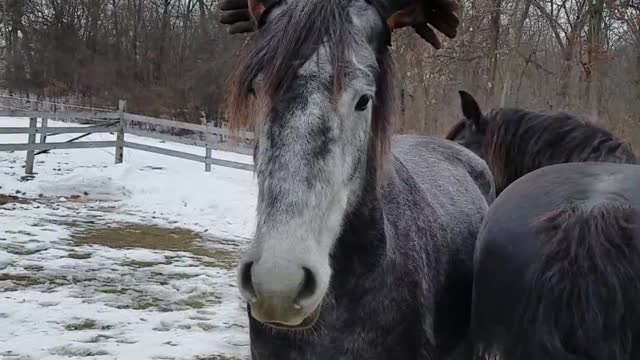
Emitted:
pixel 359 252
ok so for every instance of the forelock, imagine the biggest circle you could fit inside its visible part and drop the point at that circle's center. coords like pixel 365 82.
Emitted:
pixel 289 39
pixel 283 45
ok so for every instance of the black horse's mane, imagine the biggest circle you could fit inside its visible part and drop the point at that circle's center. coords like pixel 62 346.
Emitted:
pixel 519 141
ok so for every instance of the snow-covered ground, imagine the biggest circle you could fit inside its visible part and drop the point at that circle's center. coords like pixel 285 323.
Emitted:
pixel 129 261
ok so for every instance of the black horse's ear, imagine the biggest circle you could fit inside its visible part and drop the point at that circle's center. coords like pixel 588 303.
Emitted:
pixel 470 108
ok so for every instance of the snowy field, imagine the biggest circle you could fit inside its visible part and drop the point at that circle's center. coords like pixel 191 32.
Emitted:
pixel 130 261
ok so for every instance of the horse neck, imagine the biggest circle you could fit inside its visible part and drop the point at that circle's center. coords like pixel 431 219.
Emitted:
pixel 520 155
pixel 504 172
pixel 361 246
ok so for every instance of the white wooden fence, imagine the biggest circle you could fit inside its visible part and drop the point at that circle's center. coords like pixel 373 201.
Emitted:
pixel 120 122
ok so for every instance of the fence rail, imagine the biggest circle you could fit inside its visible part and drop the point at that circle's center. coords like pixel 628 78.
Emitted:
pixel 124 124
pixel 53 130
pixel 186 126
pixel 59 114
pixel 53 146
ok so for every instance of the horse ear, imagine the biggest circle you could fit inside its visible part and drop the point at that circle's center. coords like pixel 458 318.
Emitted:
pixel 425 16
pixel 470 108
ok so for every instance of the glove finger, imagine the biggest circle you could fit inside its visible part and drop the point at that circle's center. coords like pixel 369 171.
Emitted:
pixel 451 19
pixel 233 16
pixel 444 6
pixel 448 29
pixel 226 5
pixel 428 35
pixel 446 22
pixel 451 5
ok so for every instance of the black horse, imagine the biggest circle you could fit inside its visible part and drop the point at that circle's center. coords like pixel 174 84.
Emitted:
pixel 557 262
pixel 515 142
pixel 557 266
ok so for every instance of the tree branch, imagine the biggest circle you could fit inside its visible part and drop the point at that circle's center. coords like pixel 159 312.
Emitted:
pixel 553 23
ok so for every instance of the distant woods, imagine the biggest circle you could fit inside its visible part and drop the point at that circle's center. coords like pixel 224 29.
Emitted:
pixel 171 58
pixel 167 57
pixel 581 56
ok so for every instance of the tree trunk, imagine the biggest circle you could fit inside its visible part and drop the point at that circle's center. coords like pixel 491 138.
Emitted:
pixel 15 65
pixel 159 60
pixel 595 63
pixel 471 79
pixel 94 10
pixel 137 17
pixel 566 74
pixel 513 58
pixel 116 29
pixel 186 26
pixel 637 89
pixel 494 40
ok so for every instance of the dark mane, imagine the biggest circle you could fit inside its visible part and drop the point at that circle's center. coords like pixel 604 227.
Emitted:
pixel 518 142
pixel 281 48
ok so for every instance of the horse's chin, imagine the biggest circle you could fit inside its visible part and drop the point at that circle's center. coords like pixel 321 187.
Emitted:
pixel 306 323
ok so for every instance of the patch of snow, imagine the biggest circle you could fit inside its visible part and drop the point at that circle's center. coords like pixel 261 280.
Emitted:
pixel 221 201
pixel 60 299
pixel 144 256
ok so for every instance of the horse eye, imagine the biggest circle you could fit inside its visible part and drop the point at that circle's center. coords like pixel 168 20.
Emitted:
pixel 252 92
pixel 363 103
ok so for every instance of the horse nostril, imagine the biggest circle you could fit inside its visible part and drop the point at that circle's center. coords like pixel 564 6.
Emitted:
pixel 246 282
pixel 309 285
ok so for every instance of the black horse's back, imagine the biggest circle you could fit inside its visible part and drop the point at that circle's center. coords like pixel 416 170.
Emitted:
pixel 557 268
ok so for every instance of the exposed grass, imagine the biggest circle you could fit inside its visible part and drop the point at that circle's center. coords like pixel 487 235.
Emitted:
pixel 155 238
pixel 174 276
pixel 86 324
pixel 77 351
pixel 33 268
pixel 138 236
pixel 222 258
pixel 97 339
pixel 216 357
pixel 12 199
pixel 193 303
pixel 116 290
pixel 77 223
pixel 141 264
pixel 17 249
pixel 145 302
pixel 79 256
pixel 22 280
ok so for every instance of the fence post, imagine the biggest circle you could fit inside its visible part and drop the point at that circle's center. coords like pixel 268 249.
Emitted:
pixel 43 126
pixel 207 139
pixel 33 124
pixel 122 107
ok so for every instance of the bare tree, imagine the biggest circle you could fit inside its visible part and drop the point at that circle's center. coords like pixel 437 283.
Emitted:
pixel 172 57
